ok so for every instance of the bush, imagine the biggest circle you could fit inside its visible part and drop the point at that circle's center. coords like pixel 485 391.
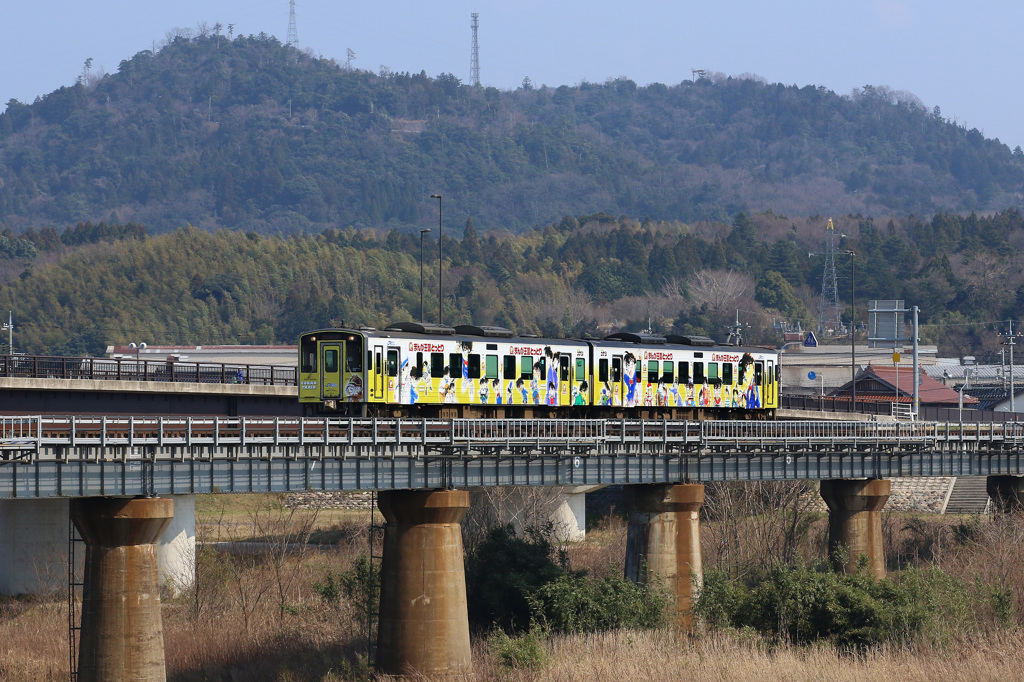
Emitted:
pixel 502 573
pixel 581 604
pixel 803 604
pixel 524 651
pixel 514 581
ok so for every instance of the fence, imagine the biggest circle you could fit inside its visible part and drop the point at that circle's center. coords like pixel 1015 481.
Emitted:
pixel 931 413
pixel 107 369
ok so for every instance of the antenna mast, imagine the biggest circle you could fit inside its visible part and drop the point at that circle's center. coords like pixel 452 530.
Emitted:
pixel 293 33
pixel 474 57
pixel 829 320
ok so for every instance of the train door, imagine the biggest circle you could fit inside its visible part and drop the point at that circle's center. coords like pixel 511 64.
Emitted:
pixel 330 361
pixel 759 385
pixel 394 379
pixel 564 389
pixel 582 393
pixel 770 385
pixel 378 373
pixel 616 380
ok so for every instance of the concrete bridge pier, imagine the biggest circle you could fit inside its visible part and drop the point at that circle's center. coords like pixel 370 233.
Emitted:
pixel 663 540
pixel 34 546
pixel 1007 493
pixel 855 522
pixel 122 630
pixel 424 621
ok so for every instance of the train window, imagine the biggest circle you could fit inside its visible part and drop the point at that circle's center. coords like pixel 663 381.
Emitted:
pixel 652 371
pixel 369 361
pixel 526 364
pixel 563 367
pixel 581 369
pixel 308 354
pixel 616 369
pixel 331 360
pixel 392 363
pixel 491 367
pixel 727 374
pixel 354 354
pixel 417 367
pixel 602 369
pixel 510 367
pixel 698 372
pixel 759 373
pixel 666 372
pixel 473 365
pixel 684 372
pixel 713 372
pixel 455 365
pixel 436 365
pixel 543 364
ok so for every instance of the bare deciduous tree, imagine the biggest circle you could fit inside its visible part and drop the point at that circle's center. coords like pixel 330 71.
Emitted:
pixel 719 289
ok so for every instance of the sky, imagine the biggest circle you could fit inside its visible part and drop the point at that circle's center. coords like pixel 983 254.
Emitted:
pixel 965 58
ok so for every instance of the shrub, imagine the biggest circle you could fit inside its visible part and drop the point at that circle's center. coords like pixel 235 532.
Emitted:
pixel 501 574
pixel 581 604
pixel 514 581
pixel 523 651
pixel 803 604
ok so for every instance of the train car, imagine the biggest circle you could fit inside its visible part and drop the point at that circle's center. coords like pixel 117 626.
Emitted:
pixel 412 369
pixel 679 377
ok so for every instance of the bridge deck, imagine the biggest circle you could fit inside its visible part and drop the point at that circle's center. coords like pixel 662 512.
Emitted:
pixel 78 456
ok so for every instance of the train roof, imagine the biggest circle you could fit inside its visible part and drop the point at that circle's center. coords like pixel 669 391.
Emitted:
pixel 476 334
pixel 416 330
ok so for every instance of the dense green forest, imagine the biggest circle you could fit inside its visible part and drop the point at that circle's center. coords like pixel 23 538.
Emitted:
pixel 78 289
pixel 246 133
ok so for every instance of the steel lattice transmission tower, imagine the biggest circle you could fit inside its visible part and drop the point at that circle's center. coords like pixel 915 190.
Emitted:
pixel 829 320
pixel 293 33
pixel 474 57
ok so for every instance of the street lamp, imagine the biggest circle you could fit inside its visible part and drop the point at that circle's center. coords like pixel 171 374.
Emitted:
pixel 966 384
pixel 440 262
pixel 422 232
pixel 137 347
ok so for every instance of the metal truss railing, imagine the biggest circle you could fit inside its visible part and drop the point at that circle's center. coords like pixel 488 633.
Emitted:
pixel 23 437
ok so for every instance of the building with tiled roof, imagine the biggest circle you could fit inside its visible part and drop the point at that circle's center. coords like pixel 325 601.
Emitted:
pixel 896 384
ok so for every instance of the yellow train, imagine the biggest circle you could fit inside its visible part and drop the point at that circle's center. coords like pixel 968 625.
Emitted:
pixel 413 369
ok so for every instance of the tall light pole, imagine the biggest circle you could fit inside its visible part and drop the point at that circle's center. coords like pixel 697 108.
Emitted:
pixel 422 232
pixel 1011 342
pixel 440 261
pixel 853 327
pixel 10 332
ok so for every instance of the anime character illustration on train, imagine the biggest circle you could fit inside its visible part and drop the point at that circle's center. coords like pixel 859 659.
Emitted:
pixel 415 369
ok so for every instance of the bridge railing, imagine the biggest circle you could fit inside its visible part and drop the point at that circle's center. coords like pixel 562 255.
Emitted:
pixel 122 369
pixel 33 433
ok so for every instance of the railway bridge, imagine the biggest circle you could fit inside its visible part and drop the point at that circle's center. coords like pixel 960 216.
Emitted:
pixel 122 477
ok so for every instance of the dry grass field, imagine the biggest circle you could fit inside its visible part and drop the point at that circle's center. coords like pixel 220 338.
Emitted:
pixel 272 615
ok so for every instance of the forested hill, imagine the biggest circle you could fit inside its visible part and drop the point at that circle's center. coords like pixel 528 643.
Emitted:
pixel 251 134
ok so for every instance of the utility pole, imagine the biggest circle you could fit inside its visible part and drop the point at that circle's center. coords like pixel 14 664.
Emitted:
pixel 1011 342
pixel 10 332
pixel 917 371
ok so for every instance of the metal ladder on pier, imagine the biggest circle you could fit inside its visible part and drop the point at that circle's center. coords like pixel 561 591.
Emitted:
pixel 76 583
